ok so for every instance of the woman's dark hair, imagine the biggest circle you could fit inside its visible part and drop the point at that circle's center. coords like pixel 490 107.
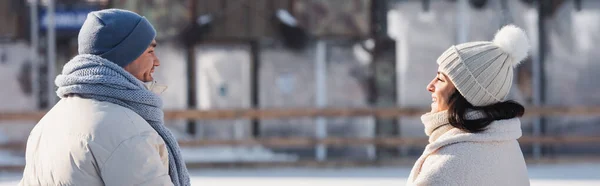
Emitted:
pixel 459 106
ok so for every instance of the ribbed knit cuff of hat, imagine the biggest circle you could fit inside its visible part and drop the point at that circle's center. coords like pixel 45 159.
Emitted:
pixel 436 124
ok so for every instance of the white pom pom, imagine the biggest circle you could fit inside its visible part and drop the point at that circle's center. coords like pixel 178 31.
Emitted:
pixel 512 40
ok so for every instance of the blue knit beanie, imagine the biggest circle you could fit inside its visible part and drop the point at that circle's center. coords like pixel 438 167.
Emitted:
pixel 120 36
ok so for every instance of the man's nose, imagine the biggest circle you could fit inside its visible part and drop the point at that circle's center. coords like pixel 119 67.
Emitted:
pixel 156 62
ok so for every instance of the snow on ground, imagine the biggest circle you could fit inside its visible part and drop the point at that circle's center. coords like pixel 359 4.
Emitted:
pixel 234 154
pixel 584 174
pixel 9 158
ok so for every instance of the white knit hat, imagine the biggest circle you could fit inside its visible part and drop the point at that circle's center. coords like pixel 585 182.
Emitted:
pixel 482 71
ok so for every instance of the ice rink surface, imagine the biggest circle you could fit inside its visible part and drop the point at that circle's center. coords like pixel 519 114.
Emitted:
pixel 580 174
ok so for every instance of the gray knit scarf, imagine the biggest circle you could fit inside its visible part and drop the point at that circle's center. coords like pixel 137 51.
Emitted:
pixel 93 77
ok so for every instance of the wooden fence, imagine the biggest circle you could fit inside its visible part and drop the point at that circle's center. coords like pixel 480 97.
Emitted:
pixel 332 141
pixel 272 113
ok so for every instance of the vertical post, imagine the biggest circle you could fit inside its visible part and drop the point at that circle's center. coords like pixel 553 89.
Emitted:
pixel 425 4
pixel 254 69
pixel 462 21
pixel 35 82
pixel 371 80
pixel 321 96
pixel 538 77
pixel 506 16
pixel 191 72
pixel 383 80
pixel 51 52
pixel 254 84
pixel 577 5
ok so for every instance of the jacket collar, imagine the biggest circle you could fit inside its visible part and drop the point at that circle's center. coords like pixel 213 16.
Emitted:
pixel 441 133
pixel 499 130
pixel 436 124
pixel 154 87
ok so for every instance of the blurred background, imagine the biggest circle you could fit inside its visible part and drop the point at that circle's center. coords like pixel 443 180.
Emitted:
pixel 318 92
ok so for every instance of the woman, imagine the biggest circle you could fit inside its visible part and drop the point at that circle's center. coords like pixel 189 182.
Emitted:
pixel 472 130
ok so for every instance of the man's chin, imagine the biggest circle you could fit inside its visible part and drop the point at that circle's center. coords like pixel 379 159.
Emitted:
pixel 148 78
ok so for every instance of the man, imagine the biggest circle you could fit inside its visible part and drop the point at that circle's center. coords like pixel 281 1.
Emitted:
pixel 108 128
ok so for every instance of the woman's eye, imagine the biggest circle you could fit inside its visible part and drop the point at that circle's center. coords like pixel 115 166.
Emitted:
pixel 440 80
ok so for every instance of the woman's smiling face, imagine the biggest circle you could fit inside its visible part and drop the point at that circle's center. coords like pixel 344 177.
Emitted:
pixel 441 89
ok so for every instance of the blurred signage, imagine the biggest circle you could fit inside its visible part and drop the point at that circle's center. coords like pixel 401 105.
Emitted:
pixel 65 19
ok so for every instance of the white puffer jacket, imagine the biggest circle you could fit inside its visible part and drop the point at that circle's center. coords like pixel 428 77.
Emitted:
pixel 455 157
pixel 88 142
